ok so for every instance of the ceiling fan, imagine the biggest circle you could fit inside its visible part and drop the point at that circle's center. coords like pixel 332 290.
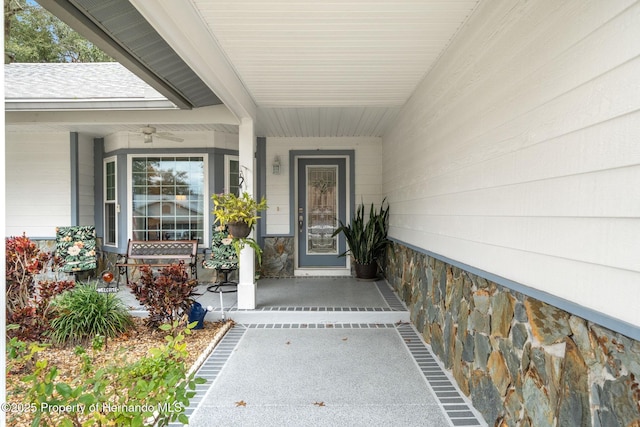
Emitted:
pixel 149 131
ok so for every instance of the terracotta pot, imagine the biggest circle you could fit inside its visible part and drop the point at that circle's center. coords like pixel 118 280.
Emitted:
pixel 366 271
pixel 239 229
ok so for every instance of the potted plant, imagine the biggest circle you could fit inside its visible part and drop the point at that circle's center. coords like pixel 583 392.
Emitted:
pixel 366 239
pixel 239 214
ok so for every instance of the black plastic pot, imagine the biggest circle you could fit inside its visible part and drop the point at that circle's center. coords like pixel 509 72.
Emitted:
pixel 366 271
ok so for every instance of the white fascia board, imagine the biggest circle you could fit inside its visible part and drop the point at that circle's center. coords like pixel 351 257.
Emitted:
pixel 182 27
pixel 217 114
pixel 86 104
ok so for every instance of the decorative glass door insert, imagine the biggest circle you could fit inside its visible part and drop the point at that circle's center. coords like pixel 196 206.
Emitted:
pixel 322 204
pixel 322 209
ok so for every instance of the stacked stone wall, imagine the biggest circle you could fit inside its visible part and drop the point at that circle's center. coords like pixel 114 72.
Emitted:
pixel 277 257
pixel 521 361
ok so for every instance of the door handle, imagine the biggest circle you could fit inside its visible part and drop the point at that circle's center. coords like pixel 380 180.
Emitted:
pixel 300 219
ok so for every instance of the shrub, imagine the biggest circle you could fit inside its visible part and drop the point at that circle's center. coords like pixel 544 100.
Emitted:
pixel 167 296
pixel 28 302
pixel 23 261
pixel 154 390
pixel 20 355
pixel 33 321
pixel 84 313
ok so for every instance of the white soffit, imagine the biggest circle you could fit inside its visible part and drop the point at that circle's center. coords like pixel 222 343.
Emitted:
pixel 310 53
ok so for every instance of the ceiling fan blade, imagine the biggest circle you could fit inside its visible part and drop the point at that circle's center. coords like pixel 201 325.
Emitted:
pixel 169 137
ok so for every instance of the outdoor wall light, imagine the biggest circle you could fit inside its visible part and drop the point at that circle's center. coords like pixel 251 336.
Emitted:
pixel 275 167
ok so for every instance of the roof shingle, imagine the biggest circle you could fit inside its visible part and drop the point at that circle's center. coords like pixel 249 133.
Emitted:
pixel 96 80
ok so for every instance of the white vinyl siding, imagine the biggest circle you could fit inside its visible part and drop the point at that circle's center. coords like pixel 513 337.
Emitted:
pixel 368 177
pixel 37 195
pixel 518 154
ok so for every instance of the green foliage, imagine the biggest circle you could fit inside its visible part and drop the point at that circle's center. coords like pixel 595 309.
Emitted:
pixel 154 389
pixel 366 238
pixel 21 355
pixel 240 243
pixel 83 313
pixel 33 34
pixel 229 208
pixel 167 296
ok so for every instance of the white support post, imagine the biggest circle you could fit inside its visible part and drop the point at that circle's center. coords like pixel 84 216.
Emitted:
pixel 246 284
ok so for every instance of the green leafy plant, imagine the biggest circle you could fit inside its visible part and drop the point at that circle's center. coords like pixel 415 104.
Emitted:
pixel 167 296
pixel 238 243
pixel 366 238
pixel 230 208
pixel 21 356
pixel 83 313
pixel 154 390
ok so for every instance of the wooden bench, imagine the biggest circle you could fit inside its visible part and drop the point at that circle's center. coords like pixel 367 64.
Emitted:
pixel 158 251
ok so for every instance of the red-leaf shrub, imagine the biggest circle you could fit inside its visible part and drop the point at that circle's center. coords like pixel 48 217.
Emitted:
pixel 167 295
pixel 23 260
pixel 35 318
pixel 28 302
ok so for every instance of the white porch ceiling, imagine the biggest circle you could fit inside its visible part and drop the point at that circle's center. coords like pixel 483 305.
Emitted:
pixel 310 53
pixel 299 68
pixel 323 68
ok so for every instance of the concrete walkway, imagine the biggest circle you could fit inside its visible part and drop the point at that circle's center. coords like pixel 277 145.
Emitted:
pixel 324 352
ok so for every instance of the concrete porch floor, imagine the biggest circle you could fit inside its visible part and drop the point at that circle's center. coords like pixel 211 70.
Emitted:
pixel 302 300
pixel 322 352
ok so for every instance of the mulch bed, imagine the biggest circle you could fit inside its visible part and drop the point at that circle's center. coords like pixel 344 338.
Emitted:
pixel 129 347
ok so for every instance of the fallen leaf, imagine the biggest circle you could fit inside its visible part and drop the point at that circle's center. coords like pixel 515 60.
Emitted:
pixel 318 403
pixel 345 338
pixel 241 403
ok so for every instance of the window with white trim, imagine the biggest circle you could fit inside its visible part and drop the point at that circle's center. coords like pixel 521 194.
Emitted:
pixel 168 197
pixel 232 174
pixel 110 202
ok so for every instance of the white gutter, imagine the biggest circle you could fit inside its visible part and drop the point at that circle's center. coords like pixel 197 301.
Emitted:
pixel 86 104
pixel 217 114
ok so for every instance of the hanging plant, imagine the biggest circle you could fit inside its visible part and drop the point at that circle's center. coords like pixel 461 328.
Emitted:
pixel 231 209
pixel 239 214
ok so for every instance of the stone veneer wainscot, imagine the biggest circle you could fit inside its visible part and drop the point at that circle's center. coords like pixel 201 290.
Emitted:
pixel 277 257
pixel 522 362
